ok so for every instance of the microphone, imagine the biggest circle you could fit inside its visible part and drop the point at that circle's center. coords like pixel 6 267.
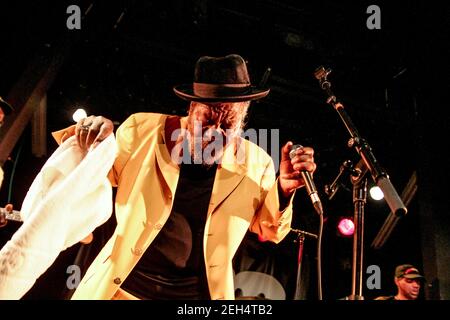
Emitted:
pixel 309 183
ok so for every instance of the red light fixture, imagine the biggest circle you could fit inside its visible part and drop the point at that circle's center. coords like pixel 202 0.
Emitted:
pixel 346 227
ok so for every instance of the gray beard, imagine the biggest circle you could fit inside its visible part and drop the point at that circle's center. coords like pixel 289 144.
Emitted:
pixel 208 158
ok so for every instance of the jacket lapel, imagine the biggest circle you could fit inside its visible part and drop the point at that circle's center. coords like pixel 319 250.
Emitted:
pixel 169 169
pixel 228 176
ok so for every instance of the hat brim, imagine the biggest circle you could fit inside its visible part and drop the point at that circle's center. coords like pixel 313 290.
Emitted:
pixel 6 107
pixel 413 276
pixel 186 92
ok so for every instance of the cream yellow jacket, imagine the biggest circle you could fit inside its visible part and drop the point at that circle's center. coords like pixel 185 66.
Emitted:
pixel 244 196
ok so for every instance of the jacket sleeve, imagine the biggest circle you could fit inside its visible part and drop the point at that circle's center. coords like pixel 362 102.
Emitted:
pixel 61 135
pixel 125 140
pixel 269 222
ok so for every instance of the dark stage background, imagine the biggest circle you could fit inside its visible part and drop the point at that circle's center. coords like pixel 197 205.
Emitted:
pixel 129 54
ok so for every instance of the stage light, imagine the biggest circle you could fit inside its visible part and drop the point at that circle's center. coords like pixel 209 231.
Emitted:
pixel 79 114
pixel 346 227
pixel 376 193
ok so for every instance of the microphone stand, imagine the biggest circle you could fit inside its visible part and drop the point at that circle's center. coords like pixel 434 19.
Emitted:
pixel 301 235
pixel 369 163
pixel 359 200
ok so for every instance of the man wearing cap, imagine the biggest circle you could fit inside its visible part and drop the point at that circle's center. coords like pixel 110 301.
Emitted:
pixel 408 281
pixel 5 109
pixel 188 189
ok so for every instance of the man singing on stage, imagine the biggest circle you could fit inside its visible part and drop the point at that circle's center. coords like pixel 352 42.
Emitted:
pixel 188 189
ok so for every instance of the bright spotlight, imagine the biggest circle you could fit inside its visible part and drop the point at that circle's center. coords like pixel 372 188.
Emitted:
pixel 346 227
pixel 376 193
pixel 79 114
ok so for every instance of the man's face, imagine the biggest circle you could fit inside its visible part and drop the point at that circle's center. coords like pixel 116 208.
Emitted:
pixel 409 288
pixel 211 127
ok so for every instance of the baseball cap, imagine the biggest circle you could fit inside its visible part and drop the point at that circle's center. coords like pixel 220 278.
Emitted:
pixel 407 271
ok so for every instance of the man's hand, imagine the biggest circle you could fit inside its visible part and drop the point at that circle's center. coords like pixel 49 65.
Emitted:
pixel 92 130
pixel 290 177
pixel 8 208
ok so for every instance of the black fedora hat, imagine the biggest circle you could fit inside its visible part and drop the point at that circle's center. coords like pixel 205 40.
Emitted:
pixel 220 79
pixel 6 107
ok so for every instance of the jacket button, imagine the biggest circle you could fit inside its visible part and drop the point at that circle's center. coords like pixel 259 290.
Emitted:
pixel 117 281
pixel 137 251
pixel 158 226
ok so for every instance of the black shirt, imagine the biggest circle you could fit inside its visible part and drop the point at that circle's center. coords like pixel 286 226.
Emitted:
pixel 173 266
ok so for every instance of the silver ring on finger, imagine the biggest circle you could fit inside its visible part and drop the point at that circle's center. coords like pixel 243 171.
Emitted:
pixel 85 127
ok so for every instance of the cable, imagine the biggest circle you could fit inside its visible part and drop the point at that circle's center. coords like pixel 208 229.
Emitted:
pixel 319 259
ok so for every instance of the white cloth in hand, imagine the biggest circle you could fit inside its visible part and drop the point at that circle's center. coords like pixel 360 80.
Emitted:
pixel 68 199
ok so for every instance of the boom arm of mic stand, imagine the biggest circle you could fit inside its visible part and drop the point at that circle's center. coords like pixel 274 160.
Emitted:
pixel 362 147
pixel 379 176
pixel 304 233
pixel 392 219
